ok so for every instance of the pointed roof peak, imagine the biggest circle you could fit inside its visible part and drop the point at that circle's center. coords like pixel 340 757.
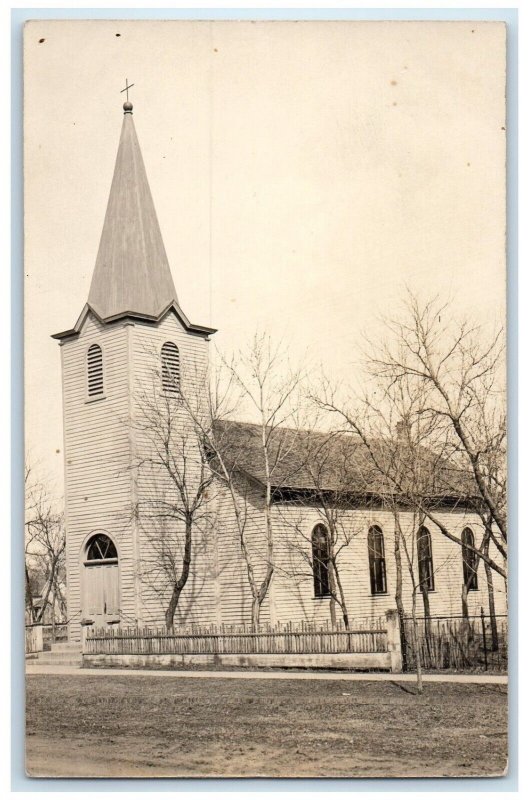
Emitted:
pixel 132 273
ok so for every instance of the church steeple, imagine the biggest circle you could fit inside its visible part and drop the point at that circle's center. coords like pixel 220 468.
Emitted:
pixel 132 273
pixel 132 277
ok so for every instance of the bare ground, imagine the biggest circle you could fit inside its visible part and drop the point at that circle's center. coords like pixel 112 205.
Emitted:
pixel 153 726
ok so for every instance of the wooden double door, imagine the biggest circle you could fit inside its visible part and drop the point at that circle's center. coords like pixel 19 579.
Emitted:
pixel 101 592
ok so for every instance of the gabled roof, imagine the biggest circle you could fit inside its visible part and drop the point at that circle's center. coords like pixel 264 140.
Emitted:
pixel 313 463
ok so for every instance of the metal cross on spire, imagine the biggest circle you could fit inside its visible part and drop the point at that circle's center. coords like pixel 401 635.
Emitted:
pixel 127 87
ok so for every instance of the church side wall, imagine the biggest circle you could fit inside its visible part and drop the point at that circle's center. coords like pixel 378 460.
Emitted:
pixel 293 583
pixel 97 457
pixel 198 601
pixel 235 597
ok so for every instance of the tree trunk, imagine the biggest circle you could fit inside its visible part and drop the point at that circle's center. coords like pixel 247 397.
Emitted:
pixel 425 600
pixel 426 606
pixel 416 643
pixel 342 602
pixel 464 600
pixel 182 580
pixel 398 593
pixel 332 610
pixel 256 614
pixel 492 603
pixel 29 596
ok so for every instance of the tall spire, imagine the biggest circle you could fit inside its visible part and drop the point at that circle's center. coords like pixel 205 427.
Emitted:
pixel 132 273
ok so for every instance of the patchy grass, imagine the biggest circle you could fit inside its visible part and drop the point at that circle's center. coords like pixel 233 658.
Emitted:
pixel 165 726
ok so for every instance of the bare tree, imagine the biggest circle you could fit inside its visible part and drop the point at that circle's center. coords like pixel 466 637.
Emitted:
pixel 45 544
pixel 251 459
pixel 462 375
pixel 173 481
pixel 410 468
pixel 461 371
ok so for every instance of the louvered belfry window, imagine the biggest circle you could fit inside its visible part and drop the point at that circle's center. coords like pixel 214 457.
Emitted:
pixel 170 368
pixel 95 370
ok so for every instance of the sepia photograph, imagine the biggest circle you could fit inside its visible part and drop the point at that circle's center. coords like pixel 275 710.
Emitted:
pixel 265 399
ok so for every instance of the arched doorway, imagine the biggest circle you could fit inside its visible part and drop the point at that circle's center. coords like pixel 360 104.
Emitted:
pixel 101 580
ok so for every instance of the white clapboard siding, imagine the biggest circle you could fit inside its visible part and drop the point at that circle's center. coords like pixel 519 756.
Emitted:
pixel 97 458
pixel 197 603
pixel 102 443
pixel 235 594
pixel 294 599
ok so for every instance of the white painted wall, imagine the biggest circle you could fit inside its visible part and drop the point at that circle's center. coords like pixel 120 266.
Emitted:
pixel 97 459
pixel 101 444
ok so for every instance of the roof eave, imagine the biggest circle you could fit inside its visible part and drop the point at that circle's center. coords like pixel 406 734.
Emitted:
pixel 197 330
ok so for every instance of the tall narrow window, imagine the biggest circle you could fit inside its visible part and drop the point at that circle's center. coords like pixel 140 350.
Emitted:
pixel 94 363
pixel 320 561
pixel 377 560
pixel 170 368
pixel 470 561
pixel 424 554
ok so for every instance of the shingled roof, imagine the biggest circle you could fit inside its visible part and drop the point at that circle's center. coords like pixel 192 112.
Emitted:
pixel 313 462
pixel 132 277
pixel 132 271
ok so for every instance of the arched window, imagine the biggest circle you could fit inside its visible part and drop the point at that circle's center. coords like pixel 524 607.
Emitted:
pixel 377 560
pixel 101 548
pixel 170 368
pixel 94 365
pixel 424 554
pixel 470 561
pixel 320 561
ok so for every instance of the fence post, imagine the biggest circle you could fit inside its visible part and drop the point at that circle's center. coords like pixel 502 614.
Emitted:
pixel 39 638
pixel 84 634
pixel 393 639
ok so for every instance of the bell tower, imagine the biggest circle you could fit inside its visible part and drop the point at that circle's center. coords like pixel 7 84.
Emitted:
pixel 132 312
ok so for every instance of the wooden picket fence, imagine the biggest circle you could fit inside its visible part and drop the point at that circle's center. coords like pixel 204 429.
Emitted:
pixel 457 644
pixel 364 636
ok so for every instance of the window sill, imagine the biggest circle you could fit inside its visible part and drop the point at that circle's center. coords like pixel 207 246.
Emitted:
pixel 95 398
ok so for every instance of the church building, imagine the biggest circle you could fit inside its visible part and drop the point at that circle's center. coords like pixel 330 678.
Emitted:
pixel 133 318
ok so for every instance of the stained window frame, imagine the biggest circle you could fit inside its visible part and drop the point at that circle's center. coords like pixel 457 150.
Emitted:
pixel 429 578
pixel 320 564
pixel 473 567
pixel 377 561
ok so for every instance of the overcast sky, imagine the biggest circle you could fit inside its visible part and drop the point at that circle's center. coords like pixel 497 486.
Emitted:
pixel 302 173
